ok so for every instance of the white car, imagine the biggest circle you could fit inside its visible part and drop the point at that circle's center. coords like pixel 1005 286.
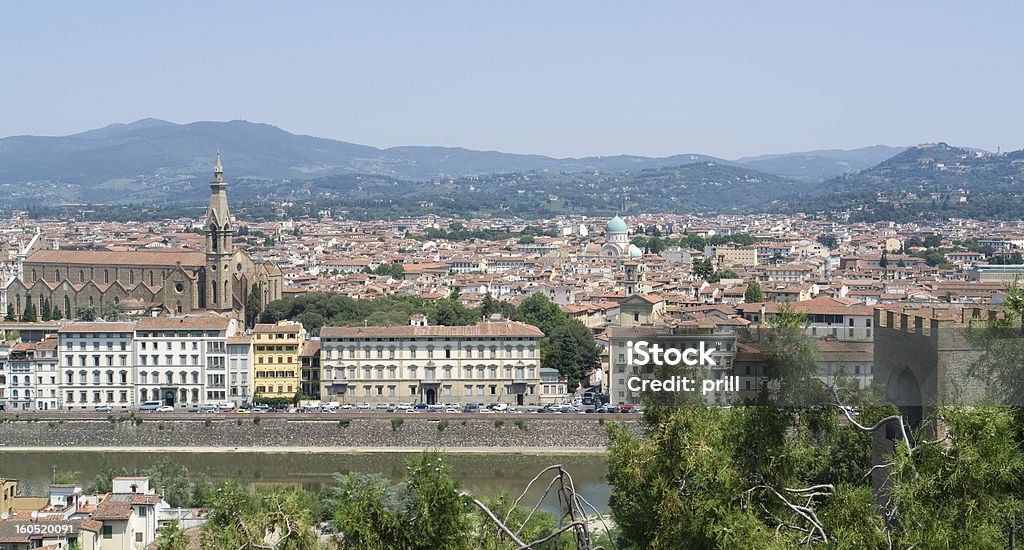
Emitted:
pixel 165 409
pixel 364 406
pixel 347 406
pixel 453 410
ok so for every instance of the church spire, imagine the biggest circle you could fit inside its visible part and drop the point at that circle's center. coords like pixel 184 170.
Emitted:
pixel 218 170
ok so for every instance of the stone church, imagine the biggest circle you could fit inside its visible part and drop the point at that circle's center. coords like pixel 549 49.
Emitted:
pixel 168 281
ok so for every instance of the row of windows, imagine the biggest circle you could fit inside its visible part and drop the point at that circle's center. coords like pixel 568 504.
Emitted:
pixel 446 390
pixel 430 373
pixel 270 389
pixel 481 352
pixel 106 276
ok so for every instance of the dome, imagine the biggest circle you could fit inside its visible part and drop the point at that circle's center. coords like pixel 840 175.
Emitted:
pixel 616 225
pixel 635 252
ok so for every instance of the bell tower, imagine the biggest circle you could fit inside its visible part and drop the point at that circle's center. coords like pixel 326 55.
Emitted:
pixel 219 247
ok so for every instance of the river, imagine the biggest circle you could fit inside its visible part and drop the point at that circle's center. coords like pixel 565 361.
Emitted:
pixel 482 475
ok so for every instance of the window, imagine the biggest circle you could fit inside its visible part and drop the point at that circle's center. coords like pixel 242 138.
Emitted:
pixel 108 531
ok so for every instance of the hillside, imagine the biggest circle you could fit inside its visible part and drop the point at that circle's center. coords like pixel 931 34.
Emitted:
pixel 820 165
pixel 932 180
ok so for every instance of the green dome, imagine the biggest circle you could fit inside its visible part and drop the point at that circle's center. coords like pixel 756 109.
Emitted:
pixel 635 252
pixel 616 225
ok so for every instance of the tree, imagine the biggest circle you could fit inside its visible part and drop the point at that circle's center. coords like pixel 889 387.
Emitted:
pixel 85 312
pixel 539 311
pixel 171 537
pixel 10 313
pixel 753 294
pixel 703 268
pixel 30 312
pixel 272 518
pixel 56 314
pixel 570 349
pixel 253 305
pixel 45 310
pixel 827 240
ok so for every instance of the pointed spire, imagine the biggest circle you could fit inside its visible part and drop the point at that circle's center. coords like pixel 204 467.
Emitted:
pixel 218 170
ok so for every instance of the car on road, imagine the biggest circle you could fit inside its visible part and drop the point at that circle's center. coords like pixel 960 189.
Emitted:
pixel 364 406
pixel 453 409
pixel 499 407
pixel 209 408
pixel 104 409
pixel 382 406
pixel 150 406
pixel 165 409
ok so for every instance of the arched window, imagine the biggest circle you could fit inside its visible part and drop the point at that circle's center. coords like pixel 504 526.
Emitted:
pixel 213 238
pixel 106 276
pixel 57 278
pixel 177 307
pixel 67 307
pixel 81 275
pixel 213 299
pixel 143 393
pixel 34 277
pixel 227 293
pixel 150 278
pixel 131 276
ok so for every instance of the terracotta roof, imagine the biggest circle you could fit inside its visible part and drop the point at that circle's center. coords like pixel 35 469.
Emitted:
pixel 500 329
pixel 268 328
pixel 184 322
pixel 114 507
pixel 97 327
pixel 310 348
pixel 165 258
pixel 239 340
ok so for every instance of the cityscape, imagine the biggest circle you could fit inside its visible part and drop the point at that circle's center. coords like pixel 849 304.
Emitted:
pixel 561 276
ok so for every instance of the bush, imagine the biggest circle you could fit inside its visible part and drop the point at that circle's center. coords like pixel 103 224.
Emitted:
pixel 207 422
pixel 396 423
pixel 442 425
pixel 521 424
pixel 160 426
pixel 137 420
pixel 238 422
pixel 499 423
pixel 256 420
pixel 343 423
pixel 51 423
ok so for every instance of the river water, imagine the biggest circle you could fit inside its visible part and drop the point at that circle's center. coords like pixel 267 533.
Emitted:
pixel 482 475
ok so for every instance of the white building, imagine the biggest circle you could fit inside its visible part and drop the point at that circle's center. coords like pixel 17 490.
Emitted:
pixel 96 365
pixel 182 360
pixel 240 371
pixel 497 361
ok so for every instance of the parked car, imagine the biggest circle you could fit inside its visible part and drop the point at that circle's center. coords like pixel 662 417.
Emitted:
pixel 499 407
pixel 382 406
pixel 165 409
pixel 150 406
pixel 364 406
pixel 104 409
pixel 209 408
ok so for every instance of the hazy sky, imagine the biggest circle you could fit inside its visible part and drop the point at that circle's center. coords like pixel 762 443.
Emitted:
pixel 552 77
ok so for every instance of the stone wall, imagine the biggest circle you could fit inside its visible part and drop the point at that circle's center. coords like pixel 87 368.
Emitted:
pixel 270 431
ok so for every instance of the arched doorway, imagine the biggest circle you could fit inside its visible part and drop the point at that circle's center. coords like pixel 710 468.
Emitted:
pixel 169 397
pixel 905 391
pixel 431 396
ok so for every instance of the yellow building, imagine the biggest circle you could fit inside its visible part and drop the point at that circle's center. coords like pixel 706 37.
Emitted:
pixel 276 350
pixel 8 490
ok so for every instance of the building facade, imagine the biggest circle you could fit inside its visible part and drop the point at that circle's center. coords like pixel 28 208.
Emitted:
pixel 497 361
pixel 277 366
pixel 172 281
pixel 96 365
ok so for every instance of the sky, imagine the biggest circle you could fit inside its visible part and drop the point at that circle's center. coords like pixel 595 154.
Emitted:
pixel 559 78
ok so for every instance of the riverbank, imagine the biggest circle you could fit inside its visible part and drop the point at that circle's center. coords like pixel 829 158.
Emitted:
pixel 279 433
pixel 525 451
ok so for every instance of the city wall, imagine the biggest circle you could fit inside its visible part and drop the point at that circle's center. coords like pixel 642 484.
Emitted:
pixel 278 432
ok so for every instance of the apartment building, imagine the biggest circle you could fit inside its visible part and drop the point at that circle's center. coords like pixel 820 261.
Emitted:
pixel 240 372
pixel 96 366
pixel 497 361
pixel 840 318
pixel 277 365
pixel 722 341
pixel 182 360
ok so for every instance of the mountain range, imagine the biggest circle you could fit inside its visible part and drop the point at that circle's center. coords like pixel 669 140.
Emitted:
pixel 160 151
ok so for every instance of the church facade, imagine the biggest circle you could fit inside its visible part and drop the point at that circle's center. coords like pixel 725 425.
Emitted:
pixel 170 281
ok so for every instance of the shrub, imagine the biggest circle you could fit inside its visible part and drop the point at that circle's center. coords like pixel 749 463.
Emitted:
pixel 600 421
pixel 396 423
pixel 137 420
pixel 442 425
pixel 51 423
pixel 499 423
pixel 207 422
pixel 343 423
pixel 256 420
pixel 238 422
pixel 160 426
pixel 521 424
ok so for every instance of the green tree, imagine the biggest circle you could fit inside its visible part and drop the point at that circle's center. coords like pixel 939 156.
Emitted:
pixel 253 305
pixel 703 268
pixel 753 294
pixel 171 537
pixel 171 479
pixel 539 311
pixel 29 314
pixel 571 350
pixel 274 517
pixel 10 313
pixel 45 310
pixel 85 312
